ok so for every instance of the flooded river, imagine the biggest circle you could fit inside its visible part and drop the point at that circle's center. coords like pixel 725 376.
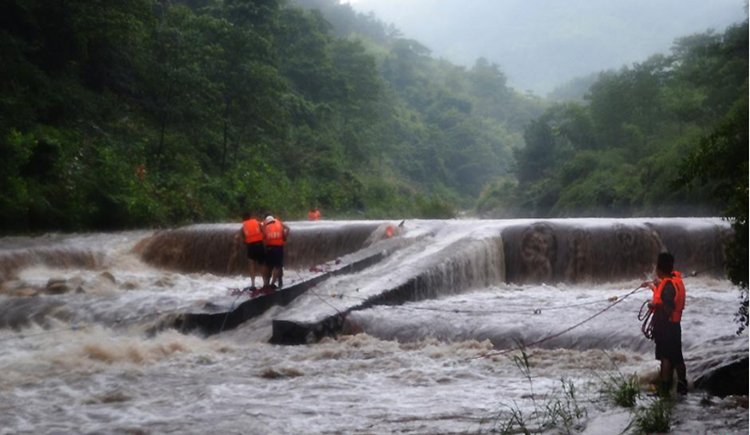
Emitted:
pixel 427 345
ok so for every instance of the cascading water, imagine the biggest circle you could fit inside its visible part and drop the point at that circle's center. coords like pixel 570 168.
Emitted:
pixel 84 321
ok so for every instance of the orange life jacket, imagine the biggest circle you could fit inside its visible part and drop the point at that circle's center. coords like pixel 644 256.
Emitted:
pixel 679 298
pixel 252 231
pixel 275 234
pixel 311 215
pixel 317 215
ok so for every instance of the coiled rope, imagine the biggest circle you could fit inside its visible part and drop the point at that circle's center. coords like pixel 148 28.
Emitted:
pixel 645 314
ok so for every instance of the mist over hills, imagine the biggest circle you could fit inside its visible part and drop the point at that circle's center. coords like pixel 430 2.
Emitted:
pixel 543 44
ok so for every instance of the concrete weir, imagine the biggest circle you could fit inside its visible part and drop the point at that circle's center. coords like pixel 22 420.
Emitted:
pixel 213 323
pixel 215 248
pixel 429 260
pixel 460 255
pixel 454 268
pixel 373 250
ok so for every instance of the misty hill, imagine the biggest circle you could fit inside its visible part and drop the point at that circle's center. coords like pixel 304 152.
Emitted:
pixel 543 44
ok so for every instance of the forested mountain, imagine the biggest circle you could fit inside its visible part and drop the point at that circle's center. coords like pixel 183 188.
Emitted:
pixel 139 113
pixel 633 145
pixel 146 113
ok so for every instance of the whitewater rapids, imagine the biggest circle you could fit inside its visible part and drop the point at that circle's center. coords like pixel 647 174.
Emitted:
pixel 97 361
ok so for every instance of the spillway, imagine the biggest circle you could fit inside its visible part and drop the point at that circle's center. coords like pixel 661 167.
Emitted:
pixel 408 320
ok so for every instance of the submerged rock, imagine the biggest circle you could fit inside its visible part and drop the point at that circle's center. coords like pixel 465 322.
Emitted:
pixel 726 380
pixel 57 288
pixel 720 366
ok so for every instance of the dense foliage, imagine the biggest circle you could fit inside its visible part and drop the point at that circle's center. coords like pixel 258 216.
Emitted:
pixel 668 136
pixel 722 159
pixel 154 112
pixel 621 152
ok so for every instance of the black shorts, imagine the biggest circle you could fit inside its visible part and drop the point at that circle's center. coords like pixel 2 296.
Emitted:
pixel 275 256
pixel 256 252
pixel 668 339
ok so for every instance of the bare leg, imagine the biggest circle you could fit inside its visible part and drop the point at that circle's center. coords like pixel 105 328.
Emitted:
pixel 267 276
pixel 666 377
pixel 682 386
pixel 681 372
pixel 666 371
pixel 252 272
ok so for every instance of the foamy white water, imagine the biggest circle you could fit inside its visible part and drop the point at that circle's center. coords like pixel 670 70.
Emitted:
pixel 416 368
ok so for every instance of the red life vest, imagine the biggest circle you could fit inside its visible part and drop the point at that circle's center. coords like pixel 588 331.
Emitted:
pixel 311 215
pixel 275 234
pixel 679 298
pixel 252 231
pixel 317 215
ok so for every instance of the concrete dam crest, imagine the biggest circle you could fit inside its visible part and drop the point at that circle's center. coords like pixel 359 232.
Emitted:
pixel 428 260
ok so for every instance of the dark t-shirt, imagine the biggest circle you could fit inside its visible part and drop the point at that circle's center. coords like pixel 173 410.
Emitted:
pixel 667 335
pixel 661 316
pixel 668 293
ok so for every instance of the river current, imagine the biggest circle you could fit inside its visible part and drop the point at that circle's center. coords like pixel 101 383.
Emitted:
pixel 101 357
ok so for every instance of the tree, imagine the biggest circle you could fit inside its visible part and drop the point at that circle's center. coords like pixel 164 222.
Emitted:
pixel 723 159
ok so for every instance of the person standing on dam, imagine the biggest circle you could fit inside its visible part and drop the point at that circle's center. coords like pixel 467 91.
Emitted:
pixel 276 234
pixel 667 305
pixel 253 232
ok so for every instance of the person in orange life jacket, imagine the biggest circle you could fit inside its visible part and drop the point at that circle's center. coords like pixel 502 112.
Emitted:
pixel 667 305
pixel 275 237
pixel 252 233
pixel 313 214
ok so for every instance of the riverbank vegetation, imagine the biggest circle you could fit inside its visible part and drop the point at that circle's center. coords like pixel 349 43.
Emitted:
pixel 664 137
pixel 142 113
pixel 638 138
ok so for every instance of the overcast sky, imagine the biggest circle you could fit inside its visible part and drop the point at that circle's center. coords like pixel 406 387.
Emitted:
pixel 543 43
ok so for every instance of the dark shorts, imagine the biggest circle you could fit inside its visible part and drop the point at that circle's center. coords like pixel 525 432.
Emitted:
pixel 256 252
pixel 275 256
pixel 668 339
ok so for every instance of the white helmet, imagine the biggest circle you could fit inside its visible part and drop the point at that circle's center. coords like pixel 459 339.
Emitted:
pixel 269 219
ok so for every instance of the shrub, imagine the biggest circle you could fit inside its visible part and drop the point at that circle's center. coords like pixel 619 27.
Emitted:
pixel 655 418
pixel 623 391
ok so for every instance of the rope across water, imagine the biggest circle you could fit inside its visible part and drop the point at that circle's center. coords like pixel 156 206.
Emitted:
pixel 646 317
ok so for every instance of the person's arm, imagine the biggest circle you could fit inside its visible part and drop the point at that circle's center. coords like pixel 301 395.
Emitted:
pixel 286 231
